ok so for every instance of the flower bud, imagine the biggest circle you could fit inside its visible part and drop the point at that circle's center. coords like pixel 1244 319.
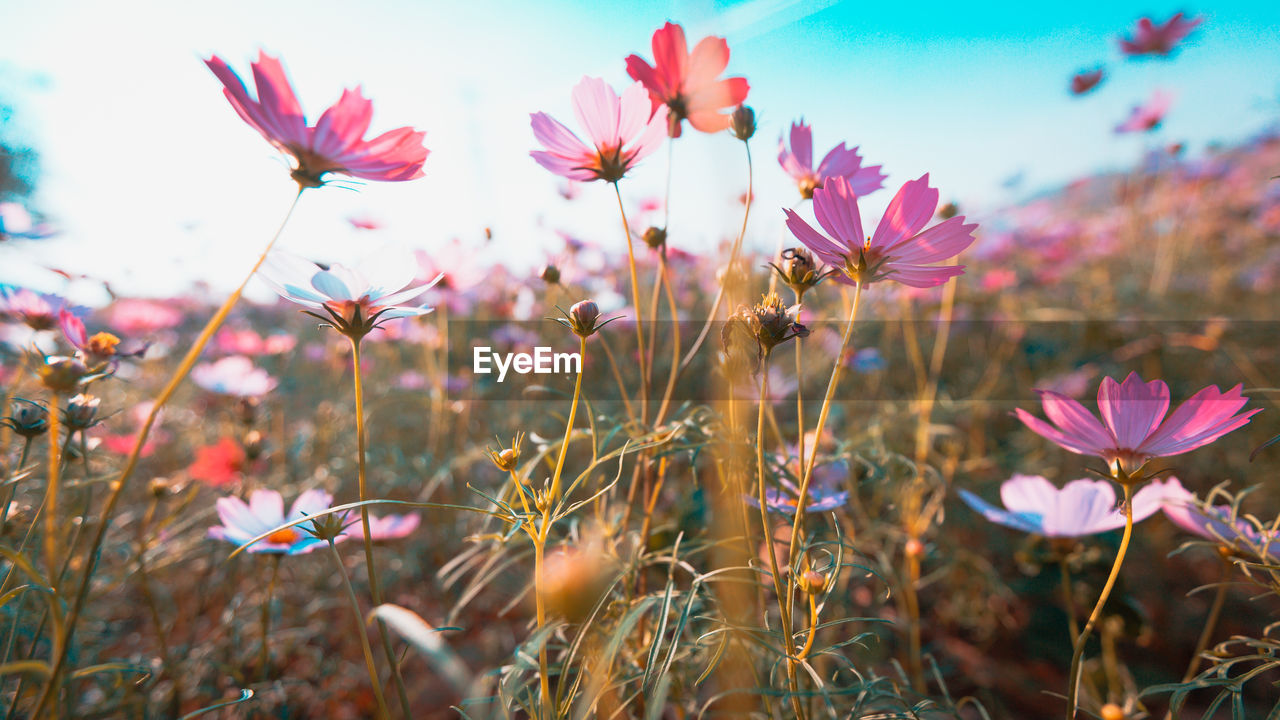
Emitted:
pixel 798 270
pixel 62 374
pixel 948 211
pixel 812 582
pixel 655 237
pixel 1111 711
pixel 254 443
pixel 82 412
pixel 582 318
pixel 743 123
pixel 28 419
pixel 506 459
pixel 550 274
pixel 160 487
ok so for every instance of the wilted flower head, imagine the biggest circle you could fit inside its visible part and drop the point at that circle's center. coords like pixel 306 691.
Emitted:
pixel 797 160
pixel 1134 428
pixel 26 418
pixel 1081 507
pixel 233 375
pixel 899 250
pixel 1147 117
pixel 241 521
pixel 622 130
pixel 1083 82
pixel 65 374
pixel 774 323
pixel 1150 38
pixel 686 83
pixel 335 144
pixel 355 299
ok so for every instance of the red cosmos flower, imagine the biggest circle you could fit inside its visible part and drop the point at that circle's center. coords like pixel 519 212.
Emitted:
pixel 336 143
pixel 1083 82
pixel 220 464
pixel 1151 39
pixel 686 82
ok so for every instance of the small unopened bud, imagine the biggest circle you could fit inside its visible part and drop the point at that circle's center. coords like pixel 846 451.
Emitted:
pixel 655 237
pixel 948 211
pixel 914 548
pixel 583 317
pixel 327 527
pixel 28 419
pixel 813 582
pixel 62 374
pixel 506 459
pixel 542 500
pixel 254 443
pixel 550 274
pixel 1111 711
pixel 82 412
pixel 160 487
pixel 743 123
pixel 798 270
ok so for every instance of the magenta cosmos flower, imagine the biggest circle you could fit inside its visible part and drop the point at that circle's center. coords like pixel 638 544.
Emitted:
pixel 898 250
pixel 686 83
pixel 386 527
pixel 1149 38
pixel 242 522
pixel 1081 507
pixel 1147 117
pixel 1134 428
pixel 1083 82
pixel 622 130
pixel 797 160
pixel 335 144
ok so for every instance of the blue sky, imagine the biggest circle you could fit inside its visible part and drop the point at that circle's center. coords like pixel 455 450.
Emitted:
pixel 157 184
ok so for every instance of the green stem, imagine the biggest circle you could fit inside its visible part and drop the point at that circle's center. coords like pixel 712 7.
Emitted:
pixel 362 632
pixel 375 591
pixel 1073 681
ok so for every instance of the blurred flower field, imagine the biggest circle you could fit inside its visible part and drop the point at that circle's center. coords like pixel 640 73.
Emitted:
pixel 912 464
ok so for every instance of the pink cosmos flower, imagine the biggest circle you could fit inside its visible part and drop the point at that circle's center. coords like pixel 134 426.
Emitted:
pixel 1151 39
pixel 839 162
pixel 1134 428
pixel 140 317
pixel 248 342
pixel 387 527
pixel 1218 523
pixel 1145 118
pixel 622 130
pixel 898 250
pixel 242 522
pixel 234 375
pixel 685 83
pixel 1082 507
pixel 335 144
pixel 1083 82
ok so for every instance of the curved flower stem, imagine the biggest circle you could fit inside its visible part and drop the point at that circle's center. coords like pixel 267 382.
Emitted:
pixel 813 627
pixel 802 497
pixel 724 280
pixel 362 632
pixel 264 657
pixel 375 591
pixel 568 426
pixel 775 571
pixel 117 487
pixel 1073 680
pixel 51 493
pixel 635 301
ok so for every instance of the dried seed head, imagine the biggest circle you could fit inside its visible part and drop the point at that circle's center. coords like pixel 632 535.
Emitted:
pixel 27 418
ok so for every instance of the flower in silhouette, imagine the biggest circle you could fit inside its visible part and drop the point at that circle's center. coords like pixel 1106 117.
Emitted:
pixel 1084 82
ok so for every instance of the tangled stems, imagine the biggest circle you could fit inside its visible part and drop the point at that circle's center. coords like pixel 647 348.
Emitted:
pixel 802 498
pixel 117 487
pixel 784 606
pixel 1073 681
pixel 360 631
pixel 635 301
pixel 375 592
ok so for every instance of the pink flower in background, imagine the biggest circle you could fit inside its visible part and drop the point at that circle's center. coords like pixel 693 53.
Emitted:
pixel 248 342
pixel 234 375
pixel 1134 428
pixel 242 522
pixel 1149 38
pixel 1147 117
pixel 1218 523
pixel 218 464
pixel 387 527
pixel 140 317
pixel 335 144
pixel 686 83
pixel 898 250
pixel 622 130
pixel 364 222
pixel 797 160
pixel 1084 82
pixel 1082 507
pixel 39 311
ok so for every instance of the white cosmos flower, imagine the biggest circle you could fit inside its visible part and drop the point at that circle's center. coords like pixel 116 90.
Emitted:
pixel 356 298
